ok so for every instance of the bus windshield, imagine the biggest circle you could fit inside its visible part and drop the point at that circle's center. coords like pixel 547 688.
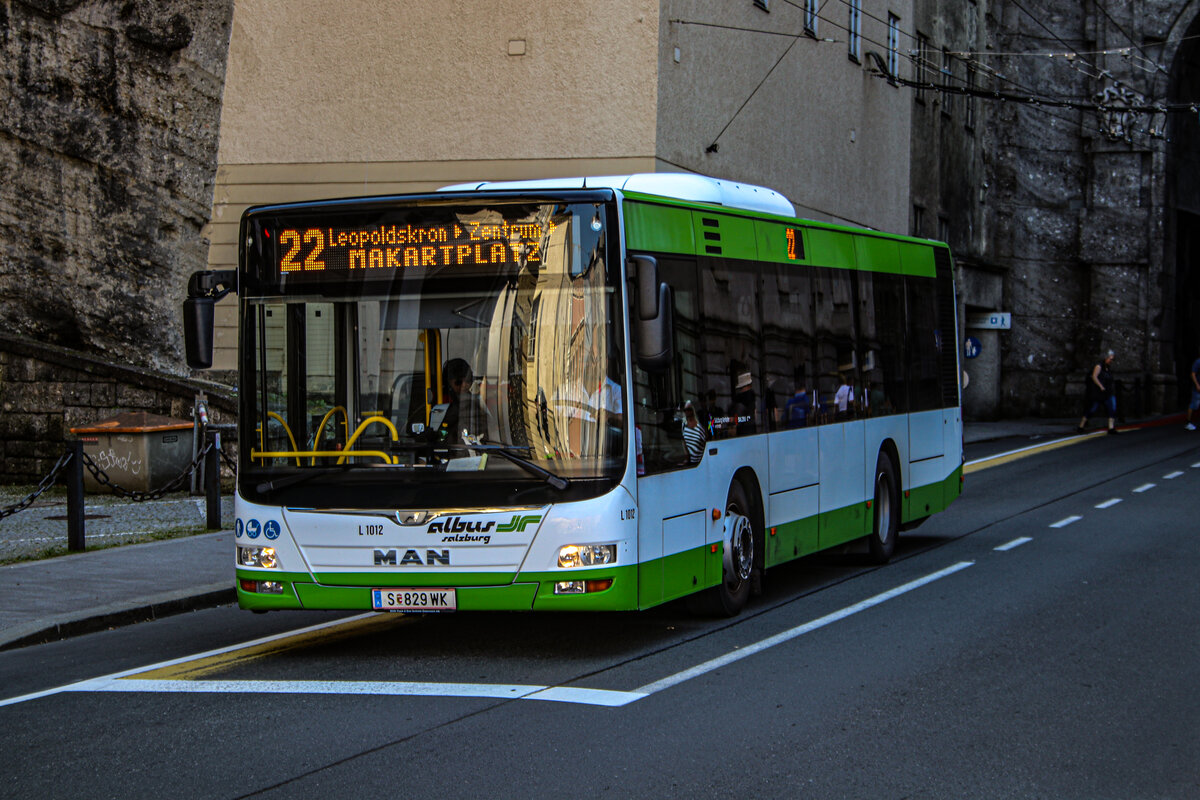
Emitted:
pixel 431 355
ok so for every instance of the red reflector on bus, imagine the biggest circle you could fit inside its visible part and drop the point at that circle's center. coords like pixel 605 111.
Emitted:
pixel 772 531
pixel 714 548
pixel 597 586
pixel 249 586
pixel 716 514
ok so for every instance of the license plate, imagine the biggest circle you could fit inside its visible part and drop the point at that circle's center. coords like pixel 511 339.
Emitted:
pixel 413 600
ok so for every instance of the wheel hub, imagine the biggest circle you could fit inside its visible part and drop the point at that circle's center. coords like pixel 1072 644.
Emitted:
pixel 739 547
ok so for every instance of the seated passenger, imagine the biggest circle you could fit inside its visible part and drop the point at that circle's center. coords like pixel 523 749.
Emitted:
pixel 465 420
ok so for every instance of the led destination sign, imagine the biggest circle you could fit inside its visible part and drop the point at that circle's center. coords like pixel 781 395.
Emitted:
pixel 329 252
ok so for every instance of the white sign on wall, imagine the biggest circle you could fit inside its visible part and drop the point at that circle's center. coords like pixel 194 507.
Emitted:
pixel 990 320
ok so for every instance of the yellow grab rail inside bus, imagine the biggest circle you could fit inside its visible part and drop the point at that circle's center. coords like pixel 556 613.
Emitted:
pixel 292 439
pixel 431 338
pixel 339 454
pixel 369 421
pixel 321 429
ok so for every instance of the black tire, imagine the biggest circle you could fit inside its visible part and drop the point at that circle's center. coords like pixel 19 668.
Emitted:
pixel 885 526
pixel 739 562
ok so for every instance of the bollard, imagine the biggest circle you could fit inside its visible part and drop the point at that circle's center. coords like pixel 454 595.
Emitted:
pixel 212 482
pixel 75 533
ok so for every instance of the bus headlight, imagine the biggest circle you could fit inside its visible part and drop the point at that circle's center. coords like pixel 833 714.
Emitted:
pixel 586 555
pixel 263 557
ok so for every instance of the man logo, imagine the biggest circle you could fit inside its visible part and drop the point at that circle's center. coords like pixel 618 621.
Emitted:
pixel 432 557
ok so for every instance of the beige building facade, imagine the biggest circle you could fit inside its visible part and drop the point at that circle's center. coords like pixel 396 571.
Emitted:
pixel 369 97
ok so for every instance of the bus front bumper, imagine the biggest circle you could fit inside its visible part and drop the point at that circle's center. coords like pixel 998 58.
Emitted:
pixel 263 591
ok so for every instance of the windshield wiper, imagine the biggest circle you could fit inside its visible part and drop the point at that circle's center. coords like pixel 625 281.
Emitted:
pixel 506 451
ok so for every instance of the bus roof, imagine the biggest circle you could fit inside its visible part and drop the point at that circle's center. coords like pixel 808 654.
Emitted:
pixel 675 185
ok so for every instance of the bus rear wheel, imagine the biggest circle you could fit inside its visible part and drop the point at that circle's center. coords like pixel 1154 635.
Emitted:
pixel 886 525
pixel 737 567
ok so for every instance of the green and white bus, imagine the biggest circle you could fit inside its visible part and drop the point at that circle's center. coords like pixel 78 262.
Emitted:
pixel 595 393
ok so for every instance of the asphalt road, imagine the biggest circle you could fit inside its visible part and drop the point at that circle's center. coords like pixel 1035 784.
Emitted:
pixel 1039 639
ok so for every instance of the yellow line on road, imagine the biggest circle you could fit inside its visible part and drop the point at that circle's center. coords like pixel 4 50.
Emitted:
pixel 1015 455
pixel 204 665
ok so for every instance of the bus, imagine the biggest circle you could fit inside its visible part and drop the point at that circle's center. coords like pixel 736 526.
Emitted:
pixel 600 393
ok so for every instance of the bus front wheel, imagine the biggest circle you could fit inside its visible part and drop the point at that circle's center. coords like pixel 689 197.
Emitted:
pixel 886 525
pixel 737 563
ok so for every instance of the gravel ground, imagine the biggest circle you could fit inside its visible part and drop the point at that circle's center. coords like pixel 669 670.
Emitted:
pixel 108 520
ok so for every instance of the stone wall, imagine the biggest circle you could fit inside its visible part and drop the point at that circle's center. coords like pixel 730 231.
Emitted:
pixel 1079 206
pixel 46 390
pixel 109 117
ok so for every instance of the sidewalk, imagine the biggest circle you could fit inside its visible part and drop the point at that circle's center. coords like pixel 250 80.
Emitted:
pixel 68 595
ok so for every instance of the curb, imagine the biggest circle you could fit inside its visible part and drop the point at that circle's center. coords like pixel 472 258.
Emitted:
pixel 106 617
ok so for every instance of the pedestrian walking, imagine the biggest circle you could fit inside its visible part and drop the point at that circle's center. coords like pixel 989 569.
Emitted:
pixel 1101 393
pixel 1195 404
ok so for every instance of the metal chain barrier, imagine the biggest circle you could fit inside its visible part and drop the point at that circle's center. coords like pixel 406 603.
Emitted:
pixel 175 484
pixel 229 462
pixel 45 484
pixel 69 470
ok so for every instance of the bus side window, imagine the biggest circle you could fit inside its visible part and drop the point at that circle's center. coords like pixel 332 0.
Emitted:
pixel 659 398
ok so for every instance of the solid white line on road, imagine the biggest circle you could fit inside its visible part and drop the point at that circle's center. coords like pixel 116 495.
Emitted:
pixel 1062 523
pixel 1172 475
pixel 561 694
pixel 800 630
pixel 1145 487
pixel 591 697
pixel 306 687
pixel 1109 503
pixel 1014 544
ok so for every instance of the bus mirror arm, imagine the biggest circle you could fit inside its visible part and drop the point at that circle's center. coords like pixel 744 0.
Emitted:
pixel 199 310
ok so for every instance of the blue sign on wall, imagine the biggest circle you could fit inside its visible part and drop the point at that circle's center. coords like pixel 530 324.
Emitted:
pixel 971 347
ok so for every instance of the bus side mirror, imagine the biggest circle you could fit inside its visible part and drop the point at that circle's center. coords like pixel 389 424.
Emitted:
pixel 199 312
pixel 198 316
pixel 654 321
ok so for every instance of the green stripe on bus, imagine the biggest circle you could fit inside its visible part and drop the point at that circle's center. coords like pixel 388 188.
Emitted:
pixel 658 229
pixel 662 228
pixel 724 235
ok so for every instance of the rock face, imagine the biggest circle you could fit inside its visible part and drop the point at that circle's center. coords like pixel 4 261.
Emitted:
pixel 109 116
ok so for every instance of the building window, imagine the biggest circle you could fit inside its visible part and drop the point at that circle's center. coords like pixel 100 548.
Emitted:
pixel 893 46
pixel 969 100
pixel 918 220
pixel 943 229
pixel 947 81
pixel 811 7
pixel 854 29
pixel 922 67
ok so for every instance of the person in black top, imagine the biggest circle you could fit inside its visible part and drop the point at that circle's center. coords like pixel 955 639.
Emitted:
pixel 464 416
pixel 1101 392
